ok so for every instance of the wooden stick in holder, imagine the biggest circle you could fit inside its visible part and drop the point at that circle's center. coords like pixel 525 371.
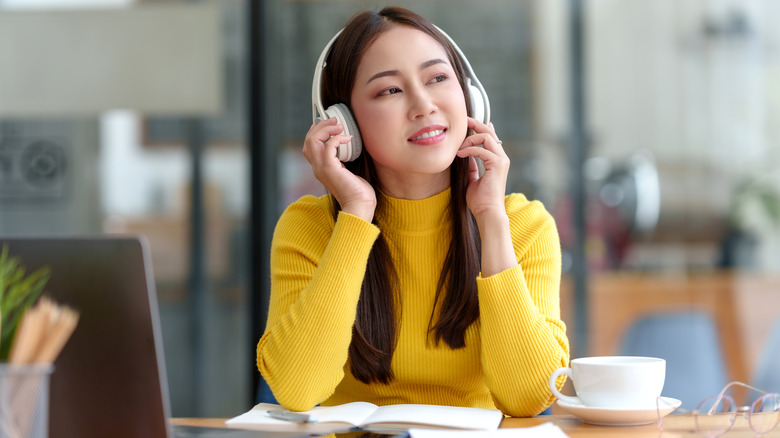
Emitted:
pixel 41 335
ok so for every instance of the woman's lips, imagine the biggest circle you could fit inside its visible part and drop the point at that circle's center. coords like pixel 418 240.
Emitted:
pixel 428 136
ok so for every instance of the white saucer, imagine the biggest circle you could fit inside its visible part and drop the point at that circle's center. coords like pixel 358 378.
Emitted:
pixel 620 417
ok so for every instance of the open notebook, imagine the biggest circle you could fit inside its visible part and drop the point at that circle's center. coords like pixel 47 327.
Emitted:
pixel 110 379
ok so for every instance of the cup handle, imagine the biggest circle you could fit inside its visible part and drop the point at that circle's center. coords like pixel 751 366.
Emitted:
pixel 554 389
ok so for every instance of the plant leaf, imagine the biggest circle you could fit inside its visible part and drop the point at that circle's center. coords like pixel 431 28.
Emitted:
pixel 18 292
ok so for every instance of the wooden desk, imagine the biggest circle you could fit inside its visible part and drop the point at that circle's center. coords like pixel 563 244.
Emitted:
pixel 200 422
pixel 674 426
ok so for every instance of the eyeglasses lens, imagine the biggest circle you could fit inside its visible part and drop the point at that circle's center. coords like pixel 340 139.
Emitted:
pixel 765 413
pixel 716 415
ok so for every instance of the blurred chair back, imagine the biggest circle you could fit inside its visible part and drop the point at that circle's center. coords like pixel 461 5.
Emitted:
pixel 690 344
pixel 264 394
pixel 767 376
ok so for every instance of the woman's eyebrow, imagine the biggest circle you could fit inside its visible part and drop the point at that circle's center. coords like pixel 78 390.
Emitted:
pixel 423 66
pixel 435 61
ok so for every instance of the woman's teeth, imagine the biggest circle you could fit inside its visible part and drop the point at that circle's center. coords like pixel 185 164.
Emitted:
pixel 429 134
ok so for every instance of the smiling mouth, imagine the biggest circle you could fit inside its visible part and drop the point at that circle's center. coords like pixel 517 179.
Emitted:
pixel 428 134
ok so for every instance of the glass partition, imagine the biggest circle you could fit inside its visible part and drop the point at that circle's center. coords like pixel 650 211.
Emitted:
pixel 134 158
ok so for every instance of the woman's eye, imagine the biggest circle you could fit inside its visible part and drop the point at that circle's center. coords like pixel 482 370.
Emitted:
pixel 439 78
pixel 392 90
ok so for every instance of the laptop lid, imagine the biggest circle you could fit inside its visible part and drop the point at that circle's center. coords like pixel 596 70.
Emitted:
pixel 110 378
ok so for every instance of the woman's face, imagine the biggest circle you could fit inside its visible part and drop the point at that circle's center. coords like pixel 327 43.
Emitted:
pixel 409 106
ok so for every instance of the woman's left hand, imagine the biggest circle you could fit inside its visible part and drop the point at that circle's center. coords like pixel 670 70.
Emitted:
pixel 485 193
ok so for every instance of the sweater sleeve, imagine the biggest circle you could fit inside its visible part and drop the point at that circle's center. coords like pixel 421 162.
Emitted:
pixel 317 269
pixel 523 337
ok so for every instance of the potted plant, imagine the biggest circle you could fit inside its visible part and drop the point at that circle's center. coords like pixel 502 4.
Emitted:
pixel 752 240
pixel 18 292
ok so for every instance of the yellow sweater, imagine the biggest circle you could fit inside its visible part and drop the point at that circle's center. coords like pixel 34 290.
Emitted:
pixel 317 268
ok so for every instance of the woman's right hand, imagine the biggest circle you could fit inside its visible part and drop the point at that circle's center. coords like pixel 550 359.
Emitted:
pixel 354 194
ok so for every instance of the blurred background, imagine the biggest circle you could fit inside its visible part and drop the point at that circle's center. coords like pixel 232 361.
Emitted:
pixel 650 130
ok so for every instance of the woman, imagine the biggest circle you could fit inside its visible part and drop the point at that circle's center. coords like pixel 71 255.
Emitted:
pixel 416 280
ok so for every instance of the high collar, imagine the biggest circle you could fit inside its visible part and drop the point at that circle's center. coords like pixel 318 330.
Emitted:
pixel 408 215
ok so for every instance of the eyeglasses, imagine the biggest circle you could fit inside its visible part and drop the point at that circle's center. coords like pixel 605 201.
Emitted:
pixel 716 415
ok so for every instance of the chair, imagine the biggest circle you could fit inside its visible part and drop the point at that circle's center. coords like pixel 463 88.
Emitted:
pixel 264 394
pixel 767 375
pixel 689 343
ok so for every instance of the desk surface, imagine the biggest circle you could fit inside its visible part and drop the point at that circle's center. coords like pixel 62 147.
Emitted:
pixel 674 426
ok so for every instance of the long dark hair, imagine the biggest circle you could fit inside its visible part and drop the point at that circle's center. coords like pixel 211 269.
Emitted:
pixel 374 333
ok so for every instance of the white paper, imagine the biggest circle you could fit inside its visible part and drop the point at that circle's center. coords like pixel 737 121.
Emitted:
pixel 546 430
pixel 450 416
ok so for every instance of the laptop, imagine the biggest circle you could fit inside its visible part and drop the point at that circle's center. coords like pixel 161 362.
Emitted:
pixel 110 379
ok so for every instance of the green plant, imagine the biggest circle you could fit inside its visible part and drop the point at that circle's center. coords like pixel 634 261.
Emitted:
pixel 764 194
pixel 18 292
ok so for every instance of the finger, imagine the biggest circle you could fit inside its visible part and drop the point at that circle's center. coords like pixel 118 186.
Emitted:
pixel 319 151
pixel 481 128
pixel 488 141
pixel 492 158
pixel 328 125
pixel 332 144
pixel 473 169
pixel 493 130
pixel 320 123
pixel 324 159
pixel 476 152
pixel 317 138
pixel 327 132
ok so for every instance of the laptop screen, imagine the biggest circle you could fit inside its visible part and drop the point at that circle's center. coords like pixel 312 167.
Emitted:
pixel 109 380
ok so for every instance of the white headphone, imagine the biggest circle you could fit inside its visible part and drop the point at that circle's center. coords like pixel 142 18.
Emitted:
pixel 480 105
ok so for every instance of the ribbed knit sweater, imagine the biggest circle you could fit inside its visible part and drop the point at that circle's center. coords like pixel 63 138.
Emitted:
pixel 317 268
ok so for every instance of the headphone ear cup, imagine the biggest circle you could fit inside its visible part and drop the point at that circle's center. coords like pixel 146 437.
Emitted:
pixel 351 150
pixel 477 103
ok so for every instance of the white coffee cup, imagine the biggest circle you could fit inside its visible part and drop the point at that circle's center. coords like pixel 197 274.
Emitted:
pixel 613 382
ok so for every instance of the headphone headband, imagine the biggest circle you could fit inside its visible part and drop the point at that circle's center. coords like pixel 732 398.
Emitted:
pixel 318 110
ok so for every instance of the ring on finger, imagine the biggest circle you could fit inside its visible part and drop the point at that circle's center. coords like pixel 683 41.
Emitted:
pixel 499 142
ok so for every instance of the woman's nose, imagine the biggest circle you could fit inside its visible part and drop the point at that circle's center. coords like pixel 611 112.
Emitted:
pixel 421 103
